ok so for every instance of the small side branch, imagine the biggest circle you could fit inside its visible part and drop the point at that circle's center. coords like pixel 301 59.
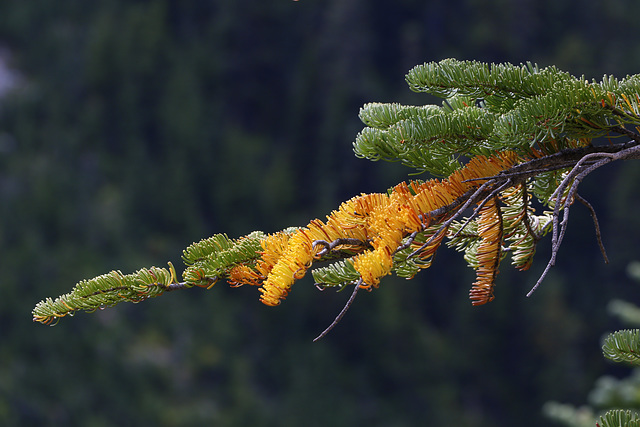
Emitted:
pixel 583 167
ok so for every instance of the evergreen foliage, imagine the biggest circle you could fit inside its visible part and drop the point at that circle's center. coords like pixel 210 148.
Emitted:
pixel 494 107
pixel 107 290
pixel 526 132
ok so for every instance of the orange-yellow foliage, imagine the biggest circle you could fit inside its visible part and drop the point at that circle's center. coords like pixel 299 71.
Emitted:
pixel 489 252
pixel 382 221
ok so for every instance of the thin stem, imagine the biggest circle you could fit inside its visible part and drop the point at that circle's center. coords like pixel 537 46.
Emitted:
pixel 527 220
pixel 177 286
pixel 596 225
pixel 342 313
pixel 408 243
pixel 621 130
pixel 329 246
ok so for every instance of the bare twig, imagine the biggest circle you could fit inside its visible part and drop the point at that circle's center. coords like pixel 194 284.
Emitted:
pixel 527 219
pixel 575 176
pixel 596 225
pixel 176 286
pixel 408 243
pixel 329 246
pixel 342 313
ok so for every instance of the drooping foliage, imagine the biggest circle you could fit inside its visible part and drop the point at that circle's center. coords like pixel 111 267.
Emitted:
pixel 510 145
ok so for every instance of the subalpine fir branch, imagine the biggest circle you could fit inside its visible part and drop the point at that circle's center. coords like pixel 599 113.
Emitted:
pixel 507 138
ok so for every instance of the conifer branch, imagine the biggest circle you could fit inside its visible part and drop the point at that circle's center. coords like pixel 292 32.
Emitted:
pixel 504 136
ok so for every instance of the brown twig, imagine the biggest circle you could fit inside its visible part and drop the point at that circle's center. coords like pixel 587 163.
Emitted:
pixel 583 167
pixel 342 313
pixel 176 286
pixel 596 225
pixel 329 246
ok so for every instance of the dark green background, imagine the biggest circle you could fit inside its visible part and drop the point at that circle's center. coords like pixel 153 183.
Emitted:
pixel 142 126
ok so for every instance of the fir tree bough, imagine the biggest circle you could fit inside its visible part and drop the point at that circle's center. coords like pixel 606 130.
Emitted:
pixel 510 145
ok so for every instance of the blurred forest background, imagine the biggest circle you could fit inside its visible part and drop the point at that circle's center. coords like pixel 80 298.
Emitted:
pixel 130 129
